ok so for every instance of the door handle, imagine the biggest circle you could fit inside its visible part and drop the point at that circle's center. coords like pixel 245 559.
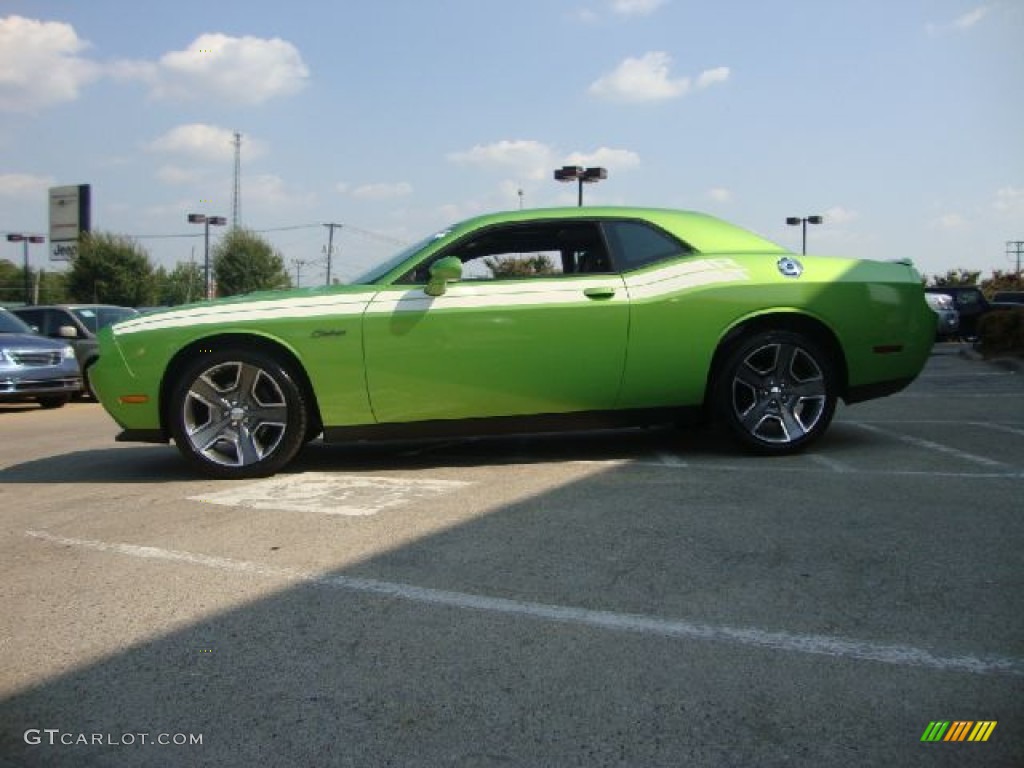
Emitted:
pixel 599 292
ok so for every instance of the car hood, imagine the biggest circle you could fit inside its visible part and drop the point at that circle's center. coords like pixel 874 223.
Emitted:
pixel 28 340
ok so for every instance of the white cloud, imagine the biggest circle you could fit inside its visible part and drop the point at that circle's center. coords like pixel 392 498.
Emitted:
pixel 531 159
pixel 720 195
pixel 378 191
pixel 21 185
pixel 636 7
pixel 949 222
pixel 1009 200
pixel 173 174
pixel 208 143
pixel 710 77
pixel 605 157
pixel 39 65
pixel 971 18
pixel 648 79
pixel 961 23
pixel 272 191
pixel 643 79
pixel 840 216
pixel 237 70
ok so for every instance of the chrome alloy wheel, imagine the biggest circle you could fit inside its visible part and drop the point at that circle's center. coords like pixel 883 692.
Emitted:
pixel 779 393
pixel 234 414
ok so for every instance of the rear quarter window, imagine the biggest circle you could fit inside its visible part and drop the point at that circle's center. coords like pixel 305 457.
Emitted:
pixel 635 244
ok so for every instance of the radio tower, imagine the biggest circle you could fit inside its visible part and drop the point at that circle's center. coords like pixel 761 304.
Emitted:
pixel 236 197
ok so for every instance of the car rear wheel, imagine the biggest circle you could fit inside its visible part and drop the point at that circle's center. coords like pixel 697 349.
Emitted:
pixel 776 392
pixel 237 414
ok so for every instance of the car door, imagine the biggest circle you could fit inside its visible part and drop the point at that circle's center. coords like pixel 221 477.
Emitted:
pixel 526 330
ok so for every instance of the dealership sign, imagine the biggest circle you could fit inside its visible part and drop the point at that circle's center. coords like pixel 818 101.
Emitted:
pixel 70 216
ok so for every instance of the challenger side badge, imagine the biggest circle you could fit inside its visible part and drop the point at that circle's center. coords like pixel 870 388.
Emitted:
pixel 790 267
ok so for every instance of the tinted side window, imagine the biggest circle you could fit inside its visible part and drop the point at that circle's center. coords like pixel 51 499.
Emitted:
pixel 533 249
pixel 635 244
pixel 33 317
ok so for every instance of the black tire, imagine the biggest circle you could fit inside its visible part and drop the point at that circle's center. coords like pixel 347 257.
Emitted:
pixel 86 392
pixel 776 391
pixel 53 401
pixel 237 413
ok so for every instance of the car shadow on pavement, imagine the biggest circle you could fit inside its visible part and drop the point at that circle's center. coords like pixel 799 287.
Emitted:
pixel 137 464
pixel 163 463
pixel 465 646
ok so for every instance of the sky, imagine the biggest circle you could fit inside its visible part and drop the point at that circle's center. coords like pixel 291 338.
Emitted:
pixel 899 121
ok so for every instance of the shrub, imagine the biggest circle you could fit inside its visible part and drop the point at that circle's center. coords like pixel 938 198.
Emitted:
pixel 1001 332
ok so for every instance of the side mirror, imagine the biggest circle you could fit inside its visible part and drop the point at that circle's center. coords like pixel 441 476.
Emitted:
pixel 442 272
pixel 67 332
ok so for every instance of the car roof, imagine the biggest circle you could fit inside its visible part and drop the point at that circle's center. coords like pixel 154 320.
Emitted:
pixel 704 232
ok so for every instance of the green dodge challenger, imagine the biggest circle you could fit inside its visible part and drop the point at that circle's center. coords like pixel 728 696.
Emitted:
pixel 525 321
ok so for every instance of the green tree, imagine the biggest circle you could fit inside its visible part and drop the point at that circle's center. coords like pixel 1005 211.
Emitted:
pixel 244 262
pixel 53 287
pixel 956 277
pixel 111 269
pixel 12 282
pixel 520 266
pixel 1002 281
pixel 181 285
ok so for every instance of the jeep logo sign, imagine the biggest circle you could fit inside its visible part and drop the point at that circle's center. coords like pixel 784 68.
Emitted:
pixel 65 251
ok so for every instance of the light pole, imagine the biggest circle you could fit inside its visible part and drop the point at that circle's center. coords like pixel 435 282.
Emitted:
pixel 581 175
pixel 217 221
pixel 804 221
pixel 17 237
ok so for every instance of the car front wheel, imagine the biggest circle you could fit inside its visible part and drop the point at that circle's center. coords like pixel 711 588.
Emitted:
pixel 237 414
pixel 53 401
pixel 776 392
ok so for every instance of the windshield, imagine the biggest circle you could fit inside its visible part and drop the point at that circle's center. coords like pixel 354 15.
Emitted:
pixel 376 273
pixel 11 324
pixel 95 318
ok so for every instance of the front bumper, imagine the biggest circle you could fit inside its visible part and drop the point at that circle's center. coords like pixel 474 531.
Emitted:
pixel 13 388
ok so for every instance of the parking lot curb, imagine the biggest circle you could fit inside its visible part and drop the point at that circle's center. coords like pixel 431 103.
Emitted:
pixel 1013 364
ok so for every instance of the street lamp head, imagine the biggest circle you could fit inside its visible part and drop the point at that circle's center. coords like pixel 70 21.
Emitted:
pixel 793 221
pixel 815 219
pixel 568 173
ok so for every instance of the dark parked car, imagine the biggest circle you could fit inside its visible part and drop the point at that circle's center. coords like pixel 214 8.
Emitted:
pixel 969 302
pixel 76 324
pixel 34 368
pixel 1008 297
pixel 947 319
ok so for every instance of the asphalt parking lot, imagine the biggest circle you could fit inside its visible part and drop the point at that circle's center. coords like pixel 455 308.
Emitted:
pixel 639 598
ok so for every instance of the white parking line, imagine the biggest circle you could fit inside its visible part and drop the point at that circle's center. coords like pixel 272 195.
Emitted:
pixel 330 494
pixel 775 467
pixel 819 645
pixel 834 464
pixel 930 445
pixel 998 427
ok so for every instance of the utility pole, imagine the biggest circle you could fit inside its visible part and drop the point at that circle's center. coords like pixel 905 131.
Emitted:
pixel 299 264
pixel 330 246
pixel 1015 248
pixel 236 197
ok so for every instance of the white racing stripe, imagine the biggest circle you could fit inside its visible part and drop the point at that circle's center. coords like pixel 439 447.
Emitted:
pixel 469 294
pixel 818 645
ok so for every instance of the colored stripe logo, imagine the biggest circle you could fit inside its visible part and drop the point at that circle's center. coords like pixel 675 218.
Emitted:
pixel 959 730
